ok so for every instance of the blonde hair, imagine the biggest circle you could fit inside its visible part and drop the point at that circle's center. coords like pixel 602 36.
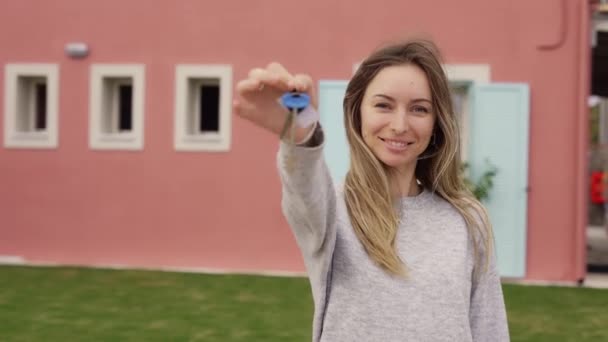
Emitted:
pixel 367 184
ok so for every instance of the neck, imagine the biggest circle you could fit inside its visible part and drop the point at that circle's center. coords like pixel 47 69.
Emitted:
pixel 403 182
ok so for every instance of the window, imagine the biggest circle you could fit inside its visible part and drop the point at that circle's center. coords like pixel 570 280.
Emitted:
pixel 31 106
pixel 202 107
pixel 117 106
pixel 462 77
pixel 116 113
pixel 461 100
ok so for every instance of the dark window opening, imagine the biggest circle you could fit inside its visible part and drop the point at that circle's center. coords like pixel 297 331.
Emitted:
pixel 599 75
pixel 40 107
pixel 125 107
pixel 209 108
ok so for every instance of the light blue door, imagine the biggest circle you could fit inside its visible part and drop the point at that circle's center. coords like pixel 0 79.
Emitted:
pixel 331 96
pixel 499 133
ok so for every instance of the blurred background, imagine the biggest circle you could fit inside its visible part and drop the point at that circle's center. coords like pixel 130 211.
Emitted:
pixel 119 150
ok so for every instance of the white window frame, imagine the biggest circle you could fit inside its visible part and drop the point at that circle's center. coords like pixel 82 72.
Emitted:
pixel 473 73
pixel 13 138
pixel 187 78
pixel 463 118
pixel 99 139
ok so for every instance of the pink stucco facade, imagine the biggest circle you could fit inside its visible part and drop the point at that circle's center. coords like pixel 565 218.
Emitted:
pixel 163 208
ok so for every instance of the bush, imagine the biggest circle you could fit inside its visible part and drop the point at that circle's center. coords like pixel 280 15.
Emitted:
pixel 482 186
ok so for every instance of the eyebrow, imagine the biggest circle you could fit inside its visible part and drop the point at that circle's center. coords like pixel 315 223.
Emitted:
pixel 414 100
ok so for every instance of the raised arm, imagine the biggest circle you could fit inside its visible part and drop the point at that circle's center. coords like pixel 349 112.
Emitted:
pixel 309 199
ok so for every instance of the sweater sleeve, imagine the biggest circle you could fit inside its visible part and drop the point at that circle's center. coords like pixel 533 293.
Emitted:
pixel 488 315
pixel 308 195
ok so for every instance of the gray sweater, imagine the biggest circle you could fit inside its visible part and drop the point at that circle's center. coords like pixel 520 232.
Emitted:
pixel 355 300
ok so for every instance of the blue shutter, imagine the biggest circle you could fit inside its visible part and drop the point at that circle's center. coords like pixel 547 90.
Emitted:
pixel 499 133
pixel 331 96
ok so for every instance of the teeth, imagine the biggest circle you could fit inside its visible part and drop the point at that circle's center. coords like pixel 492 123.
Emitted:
pixel 396 143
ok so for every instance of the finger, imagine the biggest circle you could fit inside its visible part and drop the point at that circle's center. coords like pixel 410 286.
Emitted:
pixel 277 68
pixel 257 72
pixel 285 76
pixel 236 107
pixel 241 108
pixel 305 84
pixel 247 86
pixel 271 78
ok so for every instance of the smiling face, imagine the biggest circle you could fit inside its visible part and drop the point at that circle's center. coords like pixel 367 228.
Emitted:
pixel 397 116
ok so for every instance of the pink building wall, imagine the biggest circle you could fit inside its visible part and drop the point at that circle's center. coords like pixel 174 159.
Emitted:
pixel 162 208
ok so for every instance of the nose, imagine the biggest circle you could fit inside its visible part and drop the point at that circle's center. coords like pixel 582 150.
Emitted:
pixel 399 122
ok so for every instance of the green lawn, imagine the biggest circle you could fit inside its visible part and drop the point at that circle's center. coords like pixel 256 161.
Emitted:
pixel 73 304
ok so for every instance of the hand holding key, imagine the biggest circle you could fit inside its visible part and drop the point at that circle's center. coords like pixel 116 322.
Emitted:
pixel 259 98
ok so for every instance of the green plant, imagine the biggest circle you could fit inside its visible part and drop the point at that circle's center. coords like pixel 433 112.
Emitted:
pixel 594 125
pixel 482 186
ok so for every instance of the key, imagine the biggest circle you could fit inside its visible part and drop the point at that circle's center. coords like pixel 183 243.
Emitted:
pixel 294 102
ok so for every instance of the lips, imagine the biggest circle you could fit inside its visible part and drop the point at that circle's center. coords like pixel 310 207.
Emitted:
pixel 396 145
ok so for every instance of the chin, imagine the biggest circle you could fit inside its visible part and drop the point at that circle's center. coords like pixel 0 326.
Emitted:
pixel 397 163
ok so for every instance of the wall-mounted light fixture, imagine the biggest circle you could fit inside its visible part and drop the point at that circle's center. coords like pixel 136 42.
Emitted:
pixel 76 50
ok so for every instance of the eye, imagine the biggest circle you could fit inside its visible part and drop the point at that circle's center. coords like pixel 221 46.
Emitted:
pixel 382 105
pixel 420 109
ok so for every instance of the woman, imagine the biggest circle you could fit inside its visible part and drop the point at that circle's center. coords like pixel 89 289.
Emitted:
pixel 401 252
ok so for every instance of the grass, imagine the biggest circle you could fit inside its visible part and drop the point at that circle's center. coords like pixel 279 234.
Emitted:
pixel 70 304
pixel 543 314
pixel 73 304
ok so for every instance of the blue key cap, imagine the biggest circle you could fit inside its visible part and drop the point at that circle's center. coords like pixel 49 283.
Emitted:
pixel 297 101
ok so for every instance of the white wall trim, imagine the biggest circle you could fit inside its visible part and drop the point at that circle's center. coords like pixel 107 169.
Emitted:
pixel 100 140
pixel 13 92
pixel 12 260
pixel 211 142
pixel 591 281
pixel 119 267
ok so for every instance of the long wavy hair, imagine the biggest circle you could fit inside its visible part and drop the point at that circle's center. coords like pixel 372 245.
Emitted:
pixel 367 185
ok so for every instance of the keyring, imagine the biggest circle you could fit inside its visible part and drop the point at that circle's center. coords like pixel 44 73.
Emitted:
pixel 295 101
